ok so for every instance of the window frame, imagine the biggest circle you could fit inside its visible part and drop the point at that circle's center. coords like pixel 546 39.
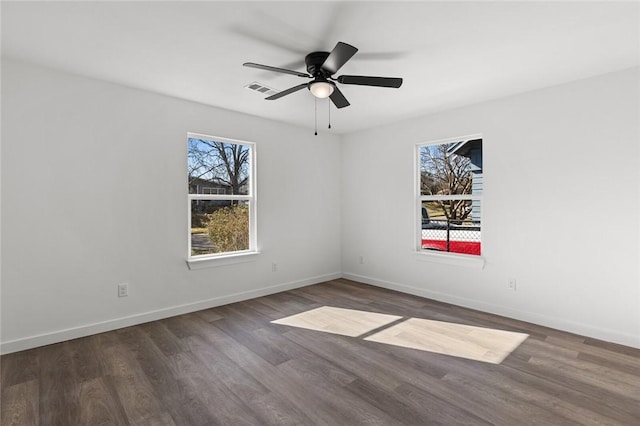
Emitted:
pixel 230 257
pixel 442 256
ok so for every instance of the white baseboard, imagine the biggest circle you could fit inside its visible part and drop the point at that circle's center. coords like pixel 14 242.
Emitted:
pixel 100 327
pixel 544 320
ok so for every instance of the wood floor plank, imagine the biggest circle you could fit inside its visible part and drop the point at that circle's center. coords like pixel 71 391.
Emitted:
pixel 243 319
pixel 613 347
pixel 437 410
pixel 626 357
pixel 180 326
pixel 536 347
pixel 58 393
pixel 391 404
pixel 270 407
pixel 355 360
pixel 273 409
pixel 290 300
pixel 265 350
pixel 270 335
pixel 225 409
pixel 230 365
pixel 323 410
pixel 596 377
pixel 99 404
pixel 481 405
pixel 288 306
pixel 226 371
pixel 584 405
pixel 162 338
pixel 368 362
pixel 314 369
pixel 181 401
pixel 564 410
pixel 19 367
pixel 20 404
pixel 268 312
pixel 354 409
pixel 85 359
pixel 633 370
pixel 136 394
pixel 623 408
pixel 342 292
pixel 209 315
pixel 516 406
pixel 366 294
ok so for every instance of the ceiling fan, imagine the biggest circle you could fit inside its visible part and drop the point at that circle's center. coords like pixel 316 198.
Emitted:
pixel 321 67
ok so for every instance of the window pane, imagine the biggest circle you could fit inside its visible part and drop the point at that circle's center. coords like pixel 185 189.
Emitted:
pixel 219 226
pixel 218 167
pixel 452 226
pixel 451 168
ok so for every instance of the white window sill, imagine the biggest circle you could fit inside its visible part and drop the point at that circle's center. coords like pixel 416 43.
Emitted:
pixel 465 260
pixel 223 260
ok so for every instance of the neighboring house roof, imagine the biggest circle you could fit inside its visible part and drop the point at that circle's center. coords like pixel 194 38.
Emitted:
pixel 464 148
pixel 208 183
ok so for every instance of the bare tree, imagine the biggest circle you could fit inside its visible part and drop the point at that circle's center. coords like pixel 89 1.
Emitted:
pixel 224 164
pixel 442 173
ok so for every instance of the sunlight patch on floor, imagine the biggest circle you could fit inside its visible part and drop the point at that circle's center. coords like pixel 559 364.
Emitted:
pixel 346 322
pixel 463 341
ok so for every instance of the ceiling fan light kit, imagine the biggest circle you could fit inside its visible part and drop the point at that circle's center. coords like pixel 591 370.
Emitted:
pixel 321 66
pixel 321 89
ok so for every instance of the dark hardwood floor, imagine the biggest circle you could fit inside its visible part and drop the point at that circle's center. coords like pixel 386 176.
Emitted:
pixel 229 365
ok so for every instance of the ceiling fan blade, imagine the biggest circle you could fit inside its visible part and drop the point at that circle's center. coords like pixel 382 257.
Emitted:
pixel 287 92
pixel 370 81
pixel 338 57
pixel 276 69
pixel 338 99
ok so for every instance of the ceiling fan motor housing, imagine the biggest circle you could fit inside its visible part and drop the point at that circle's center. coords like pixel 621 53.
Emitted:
pixel 314 61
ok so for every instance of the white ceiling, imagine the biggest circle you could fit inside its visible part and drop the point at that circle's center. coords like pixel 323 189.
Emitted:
pixel 449 53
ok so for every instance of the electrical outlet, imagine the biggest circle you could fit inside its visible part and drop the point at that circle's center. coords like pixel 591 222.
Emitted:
pixel 123 290
pixel 361 260
pixel 512 284
pixel 274 267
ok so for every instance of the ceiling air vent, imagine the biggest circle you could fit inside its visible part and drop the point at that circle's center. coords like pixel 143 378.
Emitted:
pixel 261 88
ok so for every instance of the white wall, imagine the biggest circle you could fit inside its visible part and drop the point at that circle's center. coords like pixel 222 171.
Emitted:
pixel 94 194
pixel 560 207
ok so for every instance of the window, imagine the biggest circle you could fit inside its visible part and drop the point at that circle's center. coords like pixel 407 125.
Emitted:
pixel 221 177
pixel 450 195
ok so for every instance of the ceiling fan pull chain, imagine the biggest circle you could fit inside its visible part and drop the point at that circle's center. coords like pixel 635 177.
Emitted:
pixel 315 101
pixel 329 103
